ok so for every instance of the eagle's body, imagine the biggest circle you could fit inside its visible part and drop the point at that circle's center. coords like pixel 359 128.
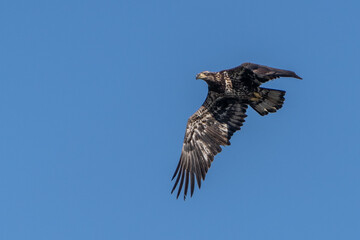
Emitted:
pixel 223 113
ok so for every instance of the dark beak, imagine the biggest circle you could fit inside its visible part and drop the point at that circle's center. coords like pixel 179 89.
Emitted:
pixel 197 76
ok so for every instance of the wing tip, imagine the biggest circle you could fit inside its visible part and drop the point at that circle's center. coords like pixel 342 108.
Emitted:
pixel 296 76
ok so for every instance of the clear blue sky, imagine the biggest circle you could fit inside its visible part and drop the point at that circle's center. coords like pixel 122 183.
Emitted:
pixel 94 99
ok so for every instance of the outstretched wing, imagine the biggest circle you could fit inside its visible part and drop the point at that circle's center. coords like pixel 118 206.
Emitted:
pixel 257 74
pixel 209 128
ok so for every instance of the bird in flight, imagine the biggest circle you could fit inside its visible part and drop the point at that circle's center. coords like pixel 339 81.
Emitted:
pixel 223 113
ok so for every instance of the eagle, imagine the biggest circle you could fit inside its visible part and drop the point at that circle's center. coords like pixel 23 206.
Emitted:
pixel 230 92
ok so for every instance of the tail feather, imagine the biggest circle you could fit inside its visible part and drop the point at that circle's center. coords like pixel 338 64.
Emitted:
pixel 267 100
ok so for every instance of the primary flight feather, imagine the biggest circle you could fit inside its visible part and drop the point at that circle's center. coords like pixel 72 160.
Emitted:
pixel 223 113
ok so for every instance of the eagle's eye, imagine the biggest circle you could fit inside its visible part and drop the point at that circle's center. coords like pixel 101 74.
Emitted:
pixel 203 75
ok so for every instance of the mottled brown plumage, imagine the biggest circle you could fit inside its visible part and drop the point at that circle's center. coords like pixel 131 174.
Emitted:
pixel 222 114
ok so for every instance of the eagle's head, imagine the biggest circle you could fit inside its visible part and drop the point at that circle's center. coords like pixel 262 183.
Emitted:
pixel 207 76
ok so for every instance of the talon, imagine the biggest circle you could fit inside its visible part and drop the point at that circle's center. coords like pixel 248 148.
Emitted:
pixel 257 95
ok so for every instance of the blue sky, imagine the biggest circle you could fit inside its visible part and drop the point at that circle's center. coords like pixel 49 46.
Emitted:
pixel 94 99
